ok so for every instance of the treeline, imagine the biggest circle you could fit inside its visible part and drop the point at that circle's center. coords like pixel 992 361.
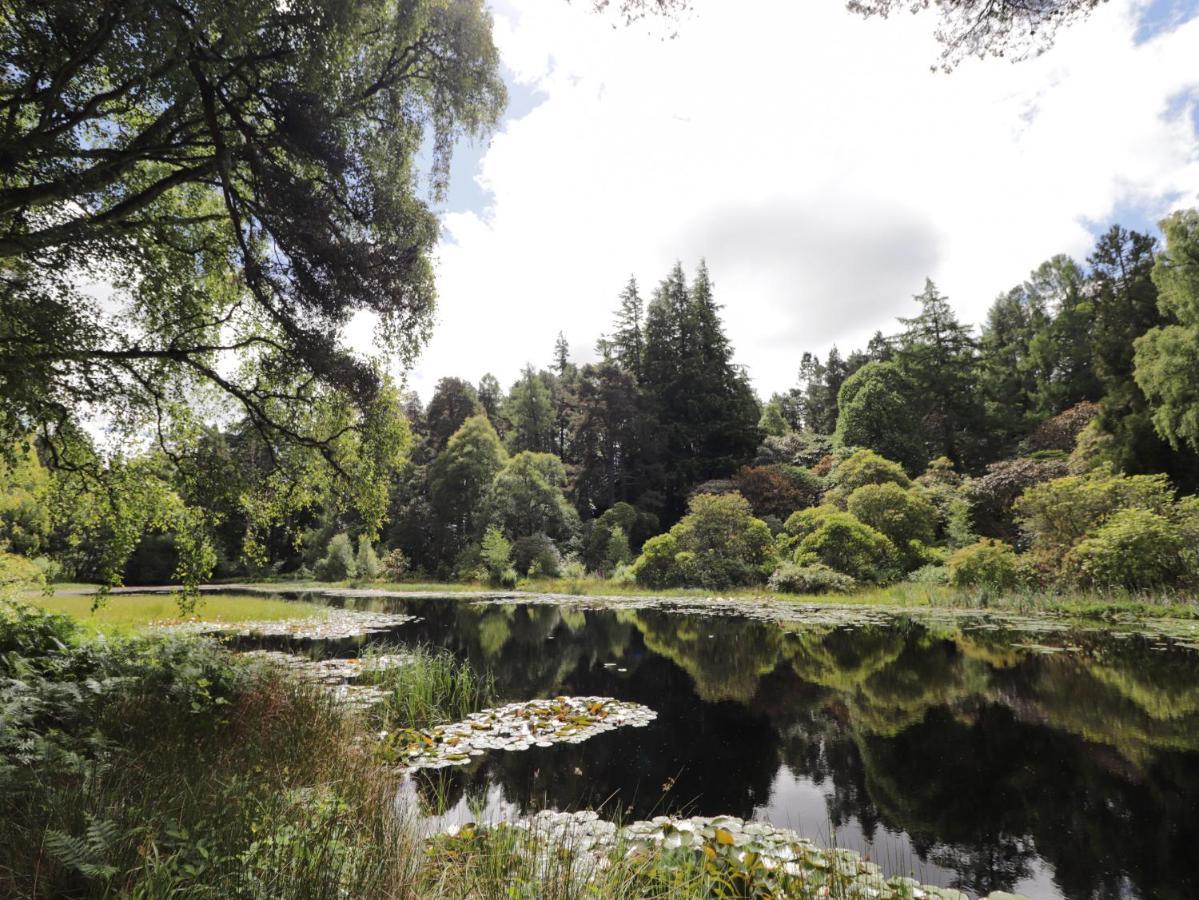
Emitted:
pixel 1080 369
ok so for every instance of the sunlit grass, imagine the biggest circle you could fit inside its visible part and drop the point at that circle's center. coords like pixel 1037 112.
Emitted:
pixel 130 612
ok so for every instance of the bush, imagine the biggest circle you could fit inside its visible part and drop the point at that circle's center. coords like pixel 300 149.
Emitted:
pixel 655 567
pixel 933 573
pixel 1057 514
pixel 395 565
pixel 839 540
pixel 618 552
pixel 536 555
pixel 904 516
pixel 367 561
pixel 778 490
pixel 18 574
pixel 718 544
pixel 987 564
pixel 496 558
pixel 864 467
pixel 1135 549
pixel 992 496
pixel 815 578
pixel 339 563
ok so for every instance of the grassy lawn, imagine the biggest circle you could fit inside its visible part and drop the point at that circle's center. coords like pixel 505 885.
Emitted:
pixel 131 612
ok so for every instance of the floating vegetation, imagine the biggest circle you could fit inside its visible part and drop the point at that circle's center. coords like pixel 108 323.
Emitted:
pixel 330 671
pixel 755 858
pixel 340 624
pixel 517 726
pixel 338 674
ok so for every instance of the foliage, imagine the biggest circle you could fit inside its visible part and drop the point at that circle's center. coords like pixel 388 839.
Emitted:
pixel 25 519
pixel 875 411
pixel 904 516
pixel 1167 357
pixel 530 410
pixel 778 490
pixel 527 498
pixel 18 574
pixel 987 564
pixel 339 562
pixel 860 468
pixel 993 495
pixel 460 479
pixel 432 687
pixel 814 578
pixel 1056 515
pixel 1135 549
pixel 496 556
pixel 1061 432
pixel 394 565
pixel 366 563
pixel 717 544
pixel 837 539
pixel 536 556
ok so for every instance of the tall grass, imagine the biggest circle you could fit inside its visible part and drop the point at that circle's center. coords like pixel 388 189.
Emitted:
pixel 432 687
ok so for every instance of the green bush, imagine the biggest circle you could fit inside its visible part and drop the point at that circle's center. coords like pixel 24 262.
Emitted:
pixel 904 516
pixel 655 567
pixel 987 564
pixel 18 574
pixel 839 540
pixel 932 573
pixel 864 467
pixel 367 561
pixel 339 563
pixel 496 558
pixel 1136 549
pixel 1057 514
pixel 536 555
pixel 395 565
pixel 815 578
pixel 618 552
pixel 718 544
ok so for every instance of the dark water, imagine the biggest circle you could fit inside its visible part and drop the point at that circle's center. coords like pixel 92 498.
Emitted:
pixel 945 751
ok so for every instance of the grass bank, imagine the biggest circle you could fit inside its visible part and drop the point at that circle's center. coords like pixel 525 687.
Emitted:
pixel 126 613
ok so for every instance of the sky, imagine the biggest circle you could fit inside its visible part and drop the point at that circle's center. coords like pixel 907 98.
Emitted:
pixel 810 156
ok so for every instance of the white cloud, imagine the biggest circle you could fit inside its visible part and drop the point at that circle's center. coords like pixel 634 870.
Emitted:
pixel 811 156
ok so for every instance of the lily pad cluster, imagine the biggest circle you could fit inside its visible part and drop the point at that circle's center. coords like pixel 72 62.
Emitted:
pixel 752 858
pixel 338 625
pixel 337 675
pixel 517 726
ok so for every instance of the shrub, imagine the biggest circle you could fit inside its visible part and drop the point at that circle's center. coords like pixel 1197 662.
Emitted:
pixel 536 555
pixel 1061 432
pixel 339 563
pixel 933 573
pixel 1135 549
pixel 717 544
pixel 815 578
pixel 838 539
pixel 1058 514
pixel 778 490
pixel 367 560
pixel 655 567
pixel 617 552
pixel 18 574
pixel 987 563
pixel 902 515
pixel 992 496
pixel 395 565
pixel 496 557
pixel 864 467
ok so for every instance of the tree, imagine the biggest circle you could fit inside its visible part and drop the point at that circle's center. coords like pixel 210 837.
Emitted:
pixel 460 479
pixel 530 409
pixel 773 422
pixel 936 354
pixel 1006 376
pixel 453 402
pixel 491 398
pixel 627 344
pixel 242 176
pixel 875 411
pixel 1167 356
pixel 123 118
pixel 1060 354
pixel 1014 29
pixel 526 498
pixel 611 439
pixel 561 355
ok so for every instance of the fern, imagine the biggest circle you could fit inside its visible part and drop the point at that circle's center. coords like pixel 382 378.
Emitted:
pixel 87 854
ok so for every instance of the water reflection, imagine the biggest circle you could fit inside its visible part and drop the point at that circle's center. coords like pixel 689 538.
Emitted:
pixel 1067 768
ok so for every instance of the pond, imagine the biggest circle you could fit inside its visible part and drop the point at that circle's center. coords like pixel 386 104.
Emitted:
pixel 971 751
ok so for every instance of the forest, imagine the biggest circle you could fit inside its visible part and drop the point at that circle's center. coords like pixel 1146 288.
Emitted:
pixel 1052 447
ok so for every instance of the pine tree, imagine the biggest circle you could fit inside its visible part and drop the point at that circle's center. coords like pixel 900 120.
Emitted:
pixel 561 355
pixel 530 409
pixel 628 339
pixel 936 354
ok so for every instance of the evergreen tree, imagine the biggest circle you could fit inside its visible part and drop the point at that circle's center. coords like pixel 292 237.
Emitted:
pixel 936 354
pixel 1006 374
pixel 491 398
pixel 453 402
pixel 773 422
pixel 1060 354
pixel 561 355
pixel 530 410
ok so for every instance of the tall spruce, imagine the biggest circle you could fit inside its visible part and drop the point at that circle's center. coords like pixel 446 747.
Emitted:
pixel 936 354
